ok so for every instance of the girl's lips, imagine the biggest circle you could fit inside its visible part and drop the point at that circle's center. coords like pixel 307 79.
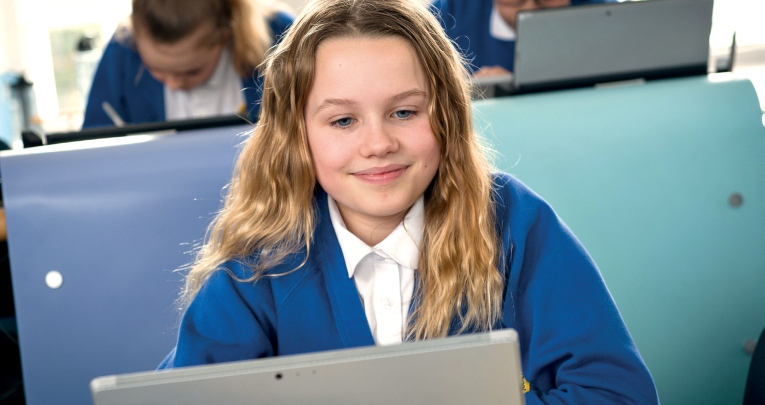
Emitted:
pixel 380 170
pixel 384 174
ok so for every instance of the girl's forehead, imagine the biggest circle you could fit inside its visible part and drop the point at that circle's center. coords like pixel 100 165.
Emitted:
pixel 349 48
pixel 360 36
pixel 367 66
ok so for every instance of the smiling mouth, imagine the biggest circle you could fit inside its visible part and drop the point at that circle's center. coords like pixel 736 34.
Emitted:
pixel 381 174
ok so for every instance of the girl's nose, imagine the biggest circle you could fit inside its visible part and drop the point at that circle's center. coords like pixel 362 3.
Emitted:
pixel 378 141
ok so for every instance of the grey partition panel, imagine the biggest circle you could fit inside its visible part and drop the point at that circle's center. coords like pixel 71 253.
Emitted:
pixel 115 218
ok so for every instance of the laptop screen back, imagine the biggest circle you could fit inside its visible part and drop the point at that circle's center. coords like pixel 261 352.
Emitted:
pixel 585 45
pixel 480 368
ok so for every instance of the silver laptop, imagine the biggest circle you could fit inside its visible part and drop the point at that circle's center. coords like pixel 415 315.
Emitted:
pixel 479 368
pixel 590 44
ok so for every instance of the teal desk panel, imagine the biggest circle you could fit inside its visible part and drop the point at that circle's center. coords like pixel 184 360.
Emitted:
pixel 643 175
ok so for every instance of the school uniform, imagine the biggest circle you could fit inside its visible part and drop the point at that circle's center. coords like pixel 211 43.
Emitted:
pixel 123 81
pixel 481 35
pixel 575 347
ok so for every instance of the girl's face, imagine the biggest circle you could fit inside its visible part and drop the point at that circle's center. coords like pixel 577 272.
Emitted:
pixel 180 65
pixel 368 129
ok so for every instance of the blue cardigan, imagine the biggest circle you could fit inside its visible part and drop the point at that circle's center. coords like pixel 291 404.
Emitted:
pixel 574 346
pixel 467 23
pixel 122 80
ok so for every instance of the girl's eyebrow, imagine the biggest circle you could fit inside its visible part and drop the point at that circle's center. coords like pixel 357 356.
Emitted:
pixel 345 101
pixel 333 101
pixel 409 93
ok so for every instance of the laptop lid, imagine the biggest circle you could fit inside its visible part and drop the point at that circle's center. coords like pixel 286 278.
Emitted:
pixel 479 368
pixel 32 139
pixel 590 44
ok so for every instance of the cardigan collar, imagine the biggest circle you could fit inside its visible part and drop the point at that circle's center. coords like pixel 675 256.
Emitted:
pixel 350 319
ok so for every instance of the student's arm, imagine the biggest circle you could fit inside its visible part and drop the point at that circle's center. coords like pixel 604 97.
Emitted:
pixel 221 324
pixel 575 347
pixel 106 87
pixel 279 22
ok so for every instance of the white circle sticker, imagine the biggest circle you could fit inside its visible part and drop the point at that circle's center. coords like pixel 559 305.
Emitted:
pixel 54 279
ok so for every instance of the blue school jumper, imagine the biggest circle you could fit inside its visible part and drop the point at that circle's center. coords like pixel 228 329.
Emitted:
pixel 574 346
pixel 122 80
pixel 467 23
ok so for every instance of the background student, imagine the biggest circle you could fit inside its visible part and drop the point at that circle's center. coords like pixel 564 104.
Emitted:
pixel 180 59
pixel 484 30
pixel 364 192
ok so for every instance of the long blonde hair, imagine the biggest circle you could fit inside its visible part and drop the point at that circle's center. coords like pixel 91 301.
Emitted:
pixel 270 207
pixel 241 21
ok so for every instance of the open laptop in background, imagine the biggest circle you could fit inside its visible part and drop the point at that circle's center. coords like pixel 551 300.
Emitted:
pixel 481 368
pixel 591 44
pixel 599 43
pixel 32 139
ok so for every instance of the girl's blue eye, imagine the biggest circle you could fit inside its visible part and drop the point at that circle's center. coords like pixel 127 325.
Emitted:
pixel 403 114
pixel 344 122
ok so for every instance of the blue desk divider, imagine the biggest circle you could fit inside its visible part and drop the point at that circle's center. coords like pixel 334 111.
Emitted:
pixel 644 176
pixel 115 218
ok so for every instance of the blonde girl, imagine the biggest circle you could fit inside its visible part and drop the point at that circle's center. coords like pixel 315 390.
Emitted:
pixel 182 59
pixel 363 211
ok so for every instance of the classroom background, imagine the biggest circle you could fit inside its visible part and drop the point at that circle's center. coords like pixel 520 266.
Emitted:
pixel 49 51
pixel 56 45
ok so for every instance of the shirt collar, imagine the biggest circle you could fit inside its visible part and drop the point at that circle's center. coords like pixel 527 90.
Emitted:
pixel 402 245
pixel 499 28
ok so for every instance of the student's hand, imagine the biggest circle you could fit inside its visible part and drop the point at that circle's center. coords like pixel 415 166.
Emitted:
pixel 489 71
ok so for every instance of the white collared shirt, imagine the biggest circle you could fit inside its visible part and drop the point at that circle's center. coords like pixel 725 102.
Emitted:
pixel 221 94
pixel 499 28
pixel 384 274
